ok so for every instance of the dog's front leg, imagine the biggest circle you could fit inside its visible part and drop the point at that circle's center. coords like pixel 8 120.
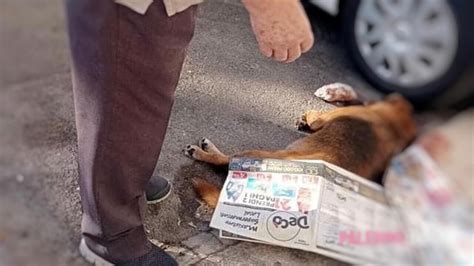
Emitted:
pixel 310 120
pixel 207 152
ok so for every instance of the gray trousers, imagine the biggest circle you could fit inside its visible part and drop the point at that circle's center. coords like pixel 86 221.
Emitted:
pixel 125 70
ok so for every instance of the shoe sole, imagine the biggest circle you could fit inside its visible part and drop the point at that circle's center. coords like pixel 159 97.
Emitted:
pixel 91 257
pixel 152 202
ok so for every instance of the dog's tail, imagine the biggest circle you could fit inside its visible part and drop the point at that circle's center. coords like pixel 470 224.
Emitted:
pixel 207 191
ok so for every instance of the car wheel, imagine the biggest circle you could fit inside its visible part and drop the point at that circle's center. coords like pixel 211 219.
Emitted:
pixel 405 46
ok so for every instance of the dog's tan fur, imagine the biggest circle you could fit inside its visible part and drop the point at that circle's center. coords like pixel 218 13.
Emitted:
pixel 360 139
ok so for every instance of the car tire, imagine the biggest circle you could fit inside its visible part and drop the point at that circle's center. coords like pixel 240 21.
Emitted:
pixel 422 93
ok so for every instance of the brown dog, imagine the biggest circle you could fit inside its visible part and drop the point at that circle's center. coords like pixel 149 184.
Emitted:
pixel 361 139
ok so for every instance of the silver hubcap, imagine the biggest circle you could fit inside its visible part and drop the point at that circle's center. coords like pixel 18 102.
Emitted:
pixel 406 42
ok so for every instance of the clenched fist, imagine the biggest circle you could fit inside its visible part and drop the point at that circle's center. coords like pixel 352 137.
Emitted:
pixel 282 28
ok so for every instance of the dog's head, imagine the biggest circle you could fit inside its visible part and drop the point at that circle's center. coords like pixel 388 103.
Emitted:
pixel 397 112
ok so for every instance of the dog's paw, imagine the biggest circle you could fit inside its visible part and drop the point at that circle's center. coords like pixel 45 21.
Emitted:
pixel 204 143
pixel 306 120
pixel 190 150
pixel 336 92
pixel 301 123
pixel 207 146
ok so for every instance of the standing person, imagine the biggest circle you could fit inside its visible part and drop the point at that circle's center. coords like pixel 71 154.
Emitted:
pixel 127 56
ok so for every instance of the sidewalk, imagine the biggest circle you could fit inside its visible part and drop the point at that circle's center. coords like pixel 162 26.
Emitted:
pixel 228 92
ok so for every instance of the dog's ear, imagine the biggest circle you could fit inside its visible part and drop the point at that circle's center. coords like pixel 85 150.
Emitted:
pixel 400 101
pixel 394 97
pixel 401 115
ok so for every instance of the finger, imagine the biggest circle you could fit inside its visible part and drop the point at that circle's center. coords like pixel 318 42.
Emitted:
pixel 280 54
pixel 293 54
pixel 307 44
pixel 266 50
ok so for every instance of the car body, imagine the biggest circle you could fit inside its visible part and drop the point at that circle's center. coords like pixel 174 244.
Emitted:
pixel 416 48
pixel 330 6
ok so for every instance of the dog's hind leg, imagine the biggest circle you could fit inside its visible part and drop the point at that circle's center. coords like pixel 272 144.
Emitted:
pixel 208 192
pixel 339 94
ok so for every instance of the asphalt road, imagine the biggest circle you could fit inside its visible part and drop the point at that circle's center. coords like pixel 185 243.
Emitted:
pixel 228 92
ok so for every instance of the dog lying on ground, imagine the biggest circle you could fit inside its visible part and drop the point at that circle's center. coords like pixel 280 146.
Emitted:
pixel 361 139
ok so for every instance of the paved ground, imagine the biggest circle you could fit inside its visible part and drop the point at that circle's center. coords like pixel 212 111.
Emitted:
pixel 228 93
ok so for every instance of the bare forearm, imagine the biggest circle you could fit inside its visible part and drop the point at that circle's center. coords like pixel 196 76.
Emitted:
pixel 281 28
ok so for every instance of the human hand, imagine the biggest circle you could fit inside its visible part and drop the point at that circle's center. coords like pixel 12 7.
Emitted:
pixel 281 27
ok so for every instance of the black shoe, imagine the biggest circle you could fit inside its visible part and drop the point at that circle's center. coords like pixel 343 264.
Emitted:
pixel 155 257
pixel 157 189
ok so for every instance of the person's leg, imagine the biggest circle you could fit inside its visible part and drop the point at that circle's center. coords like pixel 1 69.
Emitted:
pixel 125 70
